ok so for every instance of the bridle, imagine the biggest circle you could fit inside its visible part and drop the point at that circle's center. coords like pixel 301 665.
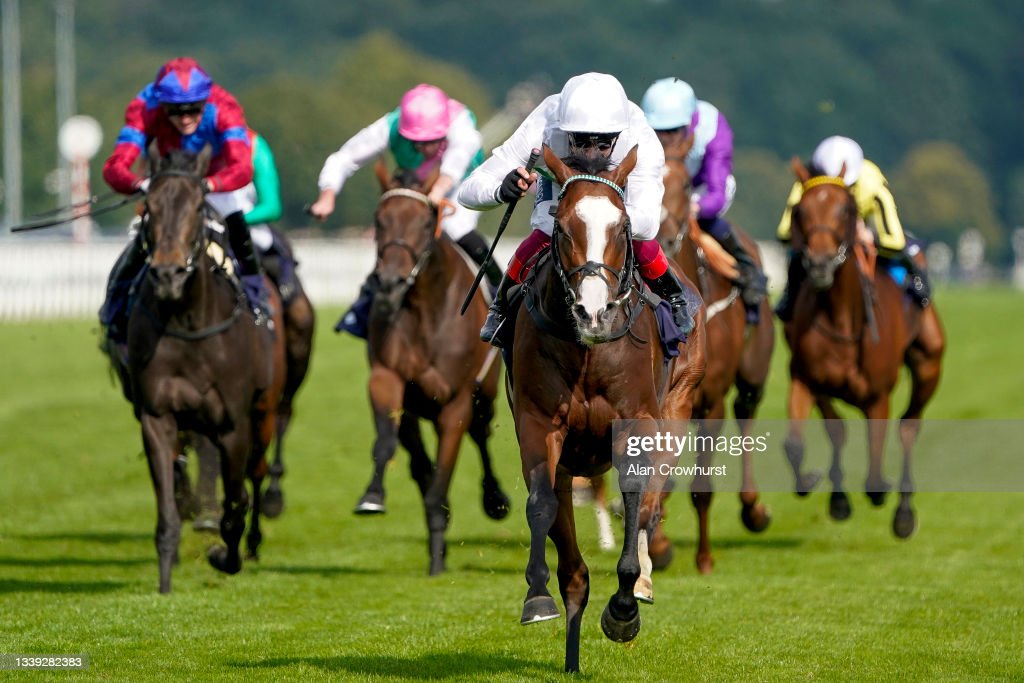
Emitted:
pixel 846 241
pixel 197 241
pixel 421 258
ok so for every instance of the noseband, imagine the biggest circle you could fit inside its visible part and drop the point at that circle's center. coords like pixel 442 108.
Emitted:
pixel 197 242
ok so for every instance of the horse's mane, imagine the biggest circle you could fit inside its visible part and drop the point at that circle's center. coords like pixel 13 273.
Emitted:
pixel 584 164
pixel 406 177
pixel 178 160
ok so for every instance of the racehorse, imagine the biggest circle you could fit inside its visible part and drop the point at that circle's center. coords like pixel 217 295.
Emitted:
pixel 853 328
pixel 738 355
pixel 587 352
pixel 197 362
pixel 426 361
pixel 299 323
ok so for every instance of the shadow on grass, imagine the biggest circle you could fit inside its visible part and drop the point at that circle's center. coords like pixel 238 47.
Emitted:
pixel 751 541
pixel 20 586
pixel 73 561
pixel 323 571
pixel 425 667
pixel 89 536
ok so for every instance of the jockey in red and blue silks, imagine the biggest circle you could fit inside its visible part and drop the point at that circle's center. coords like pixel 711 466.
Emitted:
pixel 183 109
pixel 673 110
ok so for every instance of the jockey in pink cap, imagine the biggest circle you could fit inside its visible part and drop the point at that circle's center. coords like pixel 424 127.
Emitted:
pixel 426 132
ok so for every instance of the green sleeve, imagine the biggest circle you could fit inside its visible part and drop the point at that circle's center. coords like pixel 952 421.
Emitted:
pixel 268 187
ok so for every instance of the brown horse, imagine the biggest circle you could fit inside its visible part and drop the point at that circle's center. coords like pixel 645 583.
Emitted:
pixel 586 352
pixel 426 361
pixel 197 362
pixel 851 332
pixel 299 324
pixel 739 355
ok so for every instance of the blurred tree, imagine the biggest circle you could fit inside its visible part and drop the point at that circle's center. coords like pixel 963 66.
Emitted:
pixel 762 185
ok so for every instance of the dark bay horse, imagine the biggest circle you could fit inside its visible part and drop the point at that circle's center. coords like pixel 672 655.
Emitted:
pixel 426 361
pixel 851 332
pixel 739 355
pixel 586 352
pixel 197 362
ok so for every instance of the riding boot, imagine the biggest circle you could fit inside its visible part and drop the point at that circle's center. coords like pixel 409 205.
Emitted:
pixel 752 281
pixel 476 246
pixel 795 275
pixel 670 288
pixel 356 320
pixel 497 314
pixel 250 273
pixel 919 286
pixel 114 311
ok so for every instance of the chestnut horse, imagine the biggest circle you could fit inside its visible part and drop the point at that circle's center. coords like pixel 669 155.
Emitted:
pixel 850 334
pixel 739 355
pixel 197 362
pixel 586 352
pixel 426 361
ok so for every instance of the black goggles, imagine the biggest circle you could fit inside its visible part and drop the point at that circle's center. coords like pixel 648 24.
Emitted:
pixel 184 108
pixel 603 142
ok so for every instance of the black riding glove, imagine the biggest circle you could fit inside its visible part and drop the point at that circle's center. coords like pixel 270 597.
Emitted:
pixel 509 191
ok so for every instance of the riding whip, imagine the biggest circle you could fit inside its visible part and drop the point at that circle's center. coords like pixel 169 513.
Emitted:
pixel 534 155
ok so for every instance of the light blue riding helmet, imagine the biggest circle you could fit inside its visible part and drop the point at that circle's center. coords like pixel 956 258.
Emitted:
pixel 669 103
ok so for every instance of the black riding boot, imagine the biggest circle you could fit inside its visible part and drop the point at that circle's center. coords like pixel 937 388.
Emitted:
pixel 476 246
pixel 114 311
pixel 496 315
pixel 356 320
pixel 250 273
pixel 752 281
pixel 795 275
pixel 919 286
pixel 670 288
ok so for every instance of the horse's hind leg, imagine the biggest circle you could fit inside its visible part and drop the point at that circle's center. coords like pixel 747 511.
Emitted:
pixel 273 498
pixel 160 439
pixel 799 409
pixel 235 454
pixel 751 378
pixel 420 467
pixel 573 575
pixel 924 358
pixel 839 502
pixel 208 518
pixel 496 503
pixel 701 493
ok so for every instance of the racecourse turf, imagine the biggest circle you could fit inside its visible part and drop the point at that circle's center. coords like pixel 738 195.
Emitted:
pixel 340 597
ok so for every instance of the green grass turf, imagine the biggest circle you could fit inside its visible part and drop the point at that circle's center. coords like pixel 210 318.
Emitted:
pixel 338 597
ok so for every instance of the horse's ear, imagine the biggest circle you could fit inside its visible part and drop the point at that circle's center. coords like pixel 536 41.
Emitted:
pixel 842 171
pixel 556 165
pixel 380 169
pixel 623 170
pixel 801 172
pixel 153 152
pixel 203 160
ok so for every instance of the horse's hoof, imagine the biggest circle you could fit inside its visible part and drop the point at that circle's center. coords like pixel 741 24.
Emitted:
pixel 877 498
pixel 218 557
pixel 904 523
pixel 705 564
pixel 807 482
pixel 496 503
pixel 370 504
pixel 620 631
pixel 643 590
pixel 539 608
pixel 839 506
pixel 272 503
pixel 208 522
pixel 756 517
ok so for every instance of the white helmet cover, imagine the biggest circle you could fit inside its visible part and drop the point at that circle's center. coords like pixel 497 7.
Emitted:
pixel 669 103
pixel 833 152
pixel 593 103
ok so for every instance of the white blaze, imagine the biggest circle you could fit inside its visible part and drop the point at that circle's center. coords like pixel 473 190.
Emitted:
pixel 598 214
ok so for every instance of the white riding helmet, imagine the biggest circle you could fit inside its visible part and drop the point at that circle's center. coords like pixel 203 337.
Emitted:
pixel 593 103
pixel 833 152
pixel 669 103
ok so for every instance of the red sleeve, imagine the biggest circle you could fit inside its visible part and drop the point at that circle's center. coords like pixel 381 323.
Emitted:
pixel 234 170
pixel 117 170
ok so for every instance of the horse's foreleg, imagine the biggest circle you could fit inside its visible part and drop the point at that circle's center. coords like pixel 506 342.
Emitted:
pixel 235 449
pixel 263 433
pixel 573 575
pixel 605 535
pixel 541 510
pixel 273 498
pixel 701 493
pixel 754 514
pixel 451 425
pixel 160 439
pixel 799 409
pixel 839 502
pixel 620 620
pixel 387 391
pixel 877 415
pixel 496 503
pixel 420 467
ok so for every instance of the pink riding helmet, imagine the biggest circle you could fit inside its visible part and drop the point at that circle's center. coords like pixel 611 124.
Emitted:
pixel 423 114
